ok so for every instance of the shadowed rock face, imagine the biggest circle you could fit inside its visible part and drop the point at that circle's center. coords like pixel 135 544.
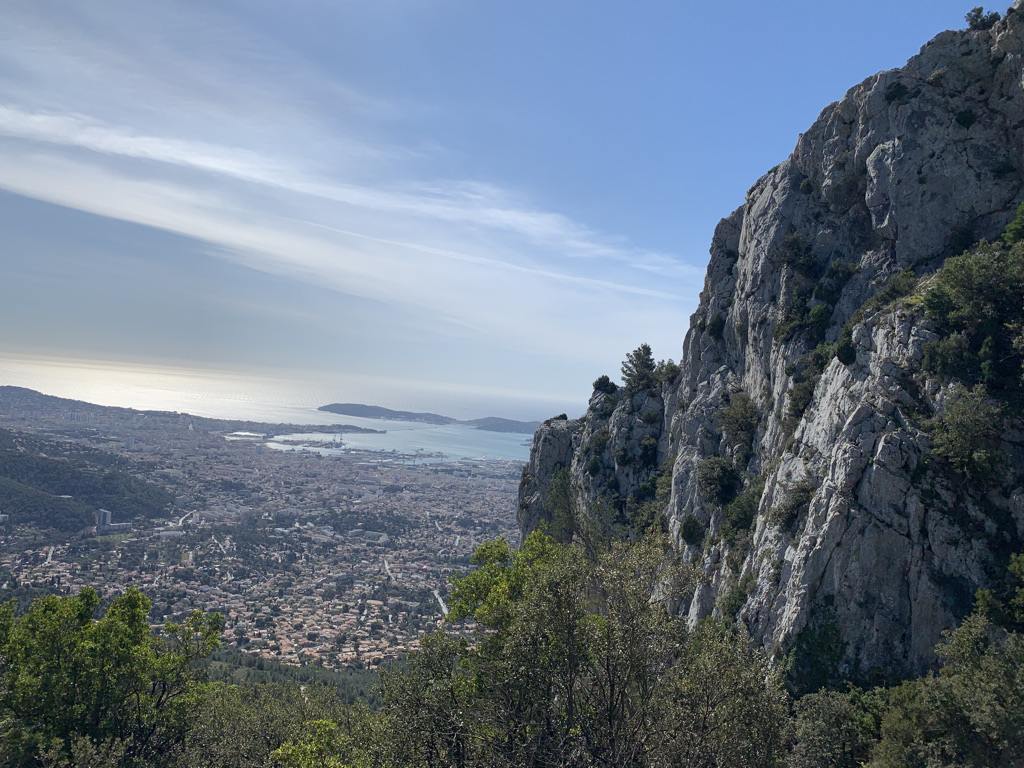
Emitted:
pixel 860 534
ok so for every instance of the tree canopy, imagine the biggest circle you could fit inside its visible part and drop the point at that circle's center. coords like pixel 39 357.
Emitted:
pixel 578 662
pixel 638 369
pixel 69 681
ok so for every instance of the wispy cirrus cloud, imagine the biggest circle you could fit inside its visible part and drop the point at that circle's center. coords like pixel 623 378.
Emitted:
pixel 476 204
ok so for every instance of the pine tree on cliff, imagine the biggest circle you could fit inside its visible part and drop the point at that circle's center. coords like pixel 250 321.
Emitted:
pixel 638 369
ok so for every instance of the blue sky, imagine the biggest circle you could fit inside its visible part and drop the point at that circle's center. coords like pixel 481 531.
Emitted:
pixel 504 197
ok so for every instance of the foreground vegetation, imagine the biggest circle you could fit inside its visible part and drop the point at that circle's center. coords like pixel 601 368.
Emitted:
pixel 578 660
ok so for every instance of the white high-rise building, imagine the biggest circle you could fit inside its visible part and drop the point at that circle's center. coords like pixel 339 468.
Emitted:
pixel 104 527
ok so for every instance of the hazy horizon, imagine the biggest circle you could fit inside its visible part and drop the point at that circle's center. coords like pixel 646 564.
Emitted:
pixel 258 395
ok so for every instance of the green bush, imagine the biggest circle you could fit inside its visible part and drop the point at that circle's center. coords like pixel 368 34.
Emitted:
pixel 974 302
pixel 650 417
pixel 561 505
pixel 1016 597
pixel 598 441
pixel 845 350
pixel 648 451
pixel 898 286
pixel 718 480
pixel 811 312
pixel 666 371
pixel 603 384
pixel 797 503
pixel 967 434
pixel 740 545
pixel 969 715
pixel 739 514
pixel 796 253
pixel 800 317
pixel 895 288
pixel 805 381
pixel 692 530
pixel 623 457
pixel 951 357
pixel 732 600
pixel 818 319
pixel 112 682
pixel 806 375
pixel 645 510
pixel 815 657
pixel 794 316
pixel 977 19
pixel 646 490
pixel 738 422
pixel 647 517
pixel 819 357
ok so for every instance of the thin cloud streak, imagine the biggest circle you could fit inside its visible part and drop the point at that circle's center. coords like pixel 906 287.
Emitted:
pixel 462 203
pixel 585 281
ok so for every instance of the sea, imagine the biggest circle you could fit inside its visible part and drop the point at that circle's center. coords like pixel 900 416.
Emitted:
pixel 421 442
pixel 288 398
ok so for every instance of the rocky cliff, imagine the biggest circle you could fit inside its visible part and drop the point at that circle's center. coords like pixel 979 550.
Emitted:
pixel 822 520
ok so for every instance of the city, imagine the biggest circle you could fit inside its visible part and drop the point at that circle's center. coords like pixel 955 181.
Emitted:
pixel 340 560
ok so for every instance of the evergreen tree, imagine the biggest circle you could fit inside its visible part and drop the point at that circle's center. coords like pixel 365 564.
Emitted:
pixel 638 370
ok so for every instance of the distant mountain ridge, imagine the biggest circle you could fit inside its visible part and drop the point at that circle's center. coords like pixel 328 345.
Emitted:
pixel 15 399
pixel 487 423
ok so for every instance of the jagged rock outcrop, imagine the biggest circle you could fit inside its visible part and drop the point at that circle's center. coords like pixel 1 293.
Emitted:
pixel 863 547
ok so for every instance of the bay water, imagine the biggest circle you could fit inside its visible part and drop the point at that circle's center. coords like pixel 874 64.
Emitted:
pixel 282 398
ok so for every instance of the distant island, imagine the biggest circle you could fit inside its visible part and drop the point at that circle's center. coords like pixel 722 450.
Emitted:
pixel 496 424
pixel 488 423
pixel 376 412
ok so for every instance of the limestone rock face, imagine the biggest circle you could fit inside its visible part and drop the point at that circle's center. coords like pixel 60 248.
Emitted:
pixel 860 535
pixel 552 448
